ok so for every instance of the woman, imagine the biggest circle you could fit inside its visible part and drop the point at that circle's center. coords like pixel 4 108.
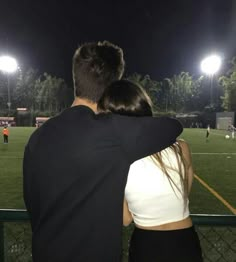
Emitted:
pixel 156 194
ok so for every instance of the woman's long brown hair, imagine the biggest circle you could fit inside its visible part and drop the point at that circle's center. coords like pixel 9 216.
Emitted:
pixel 128 98
pixel 181 170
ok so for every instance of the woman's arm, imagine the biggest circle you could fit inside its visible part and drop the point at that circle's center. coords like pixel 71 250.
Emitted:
pixel 127 216
pixel 188 160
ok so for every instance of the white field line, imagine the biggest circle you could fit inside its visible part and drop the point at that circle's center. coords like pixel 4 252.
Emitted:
pixel 11 157
pixel 222 134
pixel 213 153
pixel 215 133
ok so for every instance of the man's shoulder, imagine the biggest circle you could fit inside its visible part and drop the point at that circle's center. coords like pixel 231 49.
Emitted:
pixel 43 129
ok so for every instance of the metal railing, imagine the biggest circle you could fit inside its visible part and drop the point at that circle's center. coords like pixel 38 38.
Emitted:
pixel 217 234
pixel 15 236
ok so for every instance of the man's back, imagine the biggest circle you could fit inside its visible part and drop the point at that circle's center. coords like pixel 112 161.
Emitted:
pixel 75 171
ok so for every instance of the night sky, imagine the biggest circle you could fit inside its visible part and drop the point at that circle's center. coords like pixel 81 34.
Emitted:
pixel 159 38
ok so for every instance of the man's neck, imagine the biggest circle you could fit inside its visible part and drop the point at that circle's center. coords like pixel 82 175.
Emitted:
pixel 84 102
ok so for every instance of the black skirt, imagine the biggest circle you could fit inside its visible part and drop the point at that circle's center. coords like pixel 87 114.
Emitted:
pixel 181 245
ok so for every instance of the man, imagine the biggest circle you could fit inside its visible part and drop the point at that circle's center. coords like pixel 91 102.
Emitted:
pixel 76 164
pixel 5 133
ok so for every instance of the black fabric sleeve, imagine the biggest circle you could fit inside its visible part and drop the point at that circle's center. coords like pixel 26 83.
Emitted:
pixel 143 136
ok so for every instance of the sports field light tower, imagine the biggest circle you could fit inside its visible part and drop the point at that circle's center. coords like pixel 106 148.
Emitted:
pixel 8 65
pixel 210 66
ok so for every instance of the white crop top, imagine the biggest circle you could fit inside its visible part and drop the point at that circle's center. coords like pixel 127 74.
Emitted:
pixel 151 199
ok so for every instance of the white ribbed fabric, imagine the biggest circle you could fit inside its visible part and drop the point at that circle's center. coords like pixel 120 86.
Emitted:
pixel 150 197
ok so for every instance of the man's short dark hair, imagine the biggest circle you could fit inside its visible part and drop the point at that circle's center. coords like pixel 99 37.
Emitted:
pixel 95 66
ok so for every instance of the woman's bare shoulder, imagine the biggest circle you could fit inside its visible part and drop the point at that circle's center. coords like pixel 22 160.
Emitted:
pixel 184 146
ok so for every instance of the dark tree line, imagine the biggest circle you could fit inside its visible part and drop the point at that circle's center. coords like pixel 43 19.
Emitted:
pixel 46 95
pixel 186 93
pixel 40 94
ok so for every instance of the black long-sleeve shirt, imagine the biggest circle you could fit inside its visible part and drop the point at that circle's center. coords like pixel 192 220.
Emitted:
pixel 75 170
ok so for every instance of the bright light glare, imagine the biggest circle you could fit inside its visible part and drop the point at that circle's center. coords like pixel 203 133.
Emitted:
pixel 8 64
pixel 211 64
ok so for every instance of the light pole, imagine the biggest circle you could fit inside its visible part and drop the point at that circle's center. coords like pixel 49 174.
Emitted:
pixel 210 66
pixel 8 65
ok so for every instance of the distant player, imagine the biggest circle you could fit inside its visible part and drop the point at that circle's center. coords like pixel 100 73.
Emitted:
pixel 208 132
pixel 5 133
pixel 232 130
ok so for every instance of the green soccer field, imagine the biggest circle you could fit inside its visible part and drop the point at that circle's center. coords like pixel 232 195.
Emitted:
pixel 214 163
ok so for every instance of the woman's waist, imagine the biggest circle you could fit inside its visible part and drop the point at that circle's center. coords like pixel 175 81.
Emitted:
pixel 175 225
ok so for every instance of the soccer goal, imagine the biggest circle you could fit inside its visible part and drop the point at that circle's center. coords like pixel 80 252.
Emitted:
pixel 224 119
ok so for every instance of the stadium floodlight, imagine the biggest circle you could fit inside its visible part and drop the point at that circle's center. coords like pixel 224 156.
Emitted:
pixel 8 65
pixel 211 64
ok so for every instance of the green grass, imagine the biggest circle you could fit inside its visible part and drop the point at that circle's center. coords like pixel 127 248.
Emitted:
pixel 217 170
pixel 11 156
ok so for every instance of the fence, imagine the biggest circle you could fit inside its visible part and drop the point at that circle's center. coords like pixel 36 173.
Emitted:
pixel 15 236
pixel 217 234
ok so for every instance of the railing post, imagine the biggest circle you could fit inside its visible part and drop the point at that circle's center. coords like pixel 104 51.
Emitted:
pixel 2 247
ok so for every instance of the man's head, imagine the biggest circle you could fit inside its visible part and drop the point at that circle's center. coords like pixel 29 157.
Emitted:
pixel 95 66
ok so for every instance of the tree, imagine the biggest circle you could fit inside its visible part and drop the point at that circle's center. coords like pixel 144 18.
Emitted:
pixel 152 87
pixel 228 83
pixel 45 94
pixel 180 91
pixel 25 93
pixel 52 94
pixel 7 81
pixel 3 92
